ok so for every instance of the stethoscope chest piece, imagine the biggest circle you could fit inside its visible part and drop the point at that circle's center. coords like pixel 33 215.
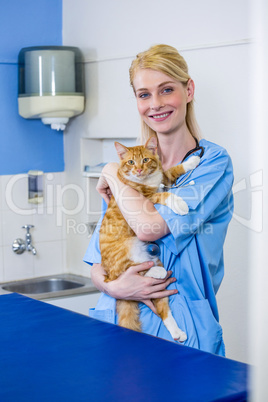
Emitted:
pixel 153 249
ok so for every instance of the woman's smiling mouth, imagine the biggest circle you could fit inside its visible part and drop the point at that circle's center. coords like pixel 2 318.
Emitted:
pixel 160 117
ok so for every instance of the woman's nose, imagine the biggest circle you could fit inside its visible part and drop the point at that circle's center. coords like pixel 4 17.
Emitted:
pixel 156 103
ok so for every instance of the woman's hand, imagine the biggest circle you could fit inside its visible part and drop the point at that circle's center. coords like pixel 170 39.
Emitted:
pixel 132 286
pixel 109 172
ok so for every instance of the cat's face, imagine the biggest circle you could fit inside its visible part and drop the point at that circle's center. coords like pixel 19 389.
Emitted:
pixel 138 163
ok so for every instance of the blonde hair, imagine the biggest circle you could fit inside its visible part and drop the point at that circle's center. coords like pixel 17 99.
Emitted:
pixel 167 60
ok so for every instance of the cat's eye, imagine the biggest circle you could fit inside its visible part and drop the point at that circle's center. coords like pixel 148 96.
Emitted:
pixel 145 160
pixel 130 162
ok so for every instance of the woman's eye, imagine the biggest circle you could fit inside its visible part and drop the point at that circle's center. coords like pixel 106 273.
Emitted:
pixel 130 162
pixel 167 90
pixel 145 160
pixel 143 96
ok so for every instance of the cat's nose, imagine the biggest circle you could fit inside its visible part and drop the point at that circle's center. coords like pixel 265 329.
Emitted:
pixel 139 171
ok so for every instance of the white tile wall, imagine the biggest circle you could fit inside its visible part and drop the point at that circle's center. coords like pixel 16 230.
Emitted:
pixel 49 258
pixel 12 222
pixel 17 266
pixel 15 193
pixel 48 234
pixel 47 225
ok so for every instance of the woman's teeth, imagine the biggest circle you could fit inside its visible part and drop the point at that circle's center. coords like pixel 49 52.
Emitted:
pixel 160 116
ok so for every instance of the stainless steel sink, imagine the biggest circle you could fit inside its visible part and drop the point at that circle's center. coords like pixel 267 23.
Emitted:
pixel 42 286
pixel 50 286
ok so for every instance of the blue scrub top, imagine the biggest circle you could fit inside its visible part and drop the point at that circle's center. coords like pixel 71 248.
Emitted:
pixel 193 250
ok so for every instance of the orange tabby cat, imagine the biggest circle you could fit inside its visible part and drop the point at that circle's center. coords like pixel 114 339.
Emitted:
pixel 120 248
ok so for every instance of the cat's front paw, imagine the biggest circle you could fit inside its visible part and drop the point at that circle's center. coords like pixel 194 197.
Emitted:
pixel 177 204
pixel 156 272
pixel 191 163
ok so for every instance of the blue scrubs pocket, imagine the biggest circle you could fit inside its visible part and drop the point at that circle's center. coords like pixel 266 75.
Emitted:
pixel 102 315
pixel 195 318
pixel 208 330
pixel 105 309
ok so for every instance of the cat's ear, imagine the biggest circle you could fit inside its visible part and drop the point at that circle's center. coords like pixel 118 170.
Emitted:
pixel 151 144
pixel 121 150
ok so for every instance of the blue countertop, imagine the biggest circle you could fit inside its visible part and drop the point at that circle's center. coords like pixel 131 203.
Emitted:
pixel 51 354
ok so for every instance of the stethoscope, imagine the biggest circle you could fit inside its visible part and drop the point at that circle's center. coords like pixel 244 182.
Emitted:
pixel 197 148
pixel 152 248
pixel 181 184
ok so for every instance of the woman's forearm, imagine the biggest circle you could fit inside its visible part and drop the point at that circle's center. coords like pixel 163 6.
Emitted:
pixel 97 277
pixel 139 212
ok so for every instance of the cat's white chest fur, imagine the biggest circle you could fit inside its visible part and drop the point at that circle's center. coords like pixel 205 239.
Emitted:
pixel 153 180
pixel 139 253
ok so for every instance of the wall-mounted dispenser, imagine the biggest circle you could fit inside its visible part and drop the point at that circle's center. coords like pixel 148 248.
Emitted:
pixel 35 186
pixel 51 84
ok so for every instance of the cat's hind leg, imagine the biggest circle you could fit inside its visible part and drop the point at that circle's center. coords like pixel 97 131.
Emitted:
pixel 163 310
pixel 128 314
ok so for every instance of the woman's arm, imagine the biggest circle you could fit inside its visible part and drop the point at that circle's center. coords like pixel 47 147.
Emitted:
pixel 138 211
pixel 142 288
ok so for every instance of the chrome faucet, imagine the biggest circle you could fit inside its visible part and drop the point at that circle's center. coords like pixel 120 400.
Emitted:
pixel 19 245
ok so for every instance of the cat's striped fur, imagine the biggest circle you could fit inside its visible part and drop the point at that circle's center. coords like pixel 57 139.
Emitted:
pixel 140 168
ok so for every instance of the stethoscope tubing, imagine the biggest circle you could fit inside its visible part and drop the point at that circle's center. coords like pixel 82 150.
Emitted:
pixel 197 148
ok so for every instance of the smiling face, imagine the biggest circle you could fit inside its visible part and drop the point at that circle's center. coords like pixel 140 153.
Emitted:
pixel 161 100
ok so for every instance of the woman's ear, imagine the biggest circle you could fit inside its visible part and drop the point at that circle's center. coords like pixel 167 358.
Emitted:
pixel 190 90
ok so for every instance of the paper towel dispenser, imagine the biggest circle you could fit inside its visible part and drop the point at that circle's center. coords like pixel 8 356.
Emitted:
pixel 51 84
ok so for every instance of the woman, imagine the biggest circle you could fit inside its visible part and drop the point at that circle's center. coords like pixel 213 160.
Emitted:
pixel 191 246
